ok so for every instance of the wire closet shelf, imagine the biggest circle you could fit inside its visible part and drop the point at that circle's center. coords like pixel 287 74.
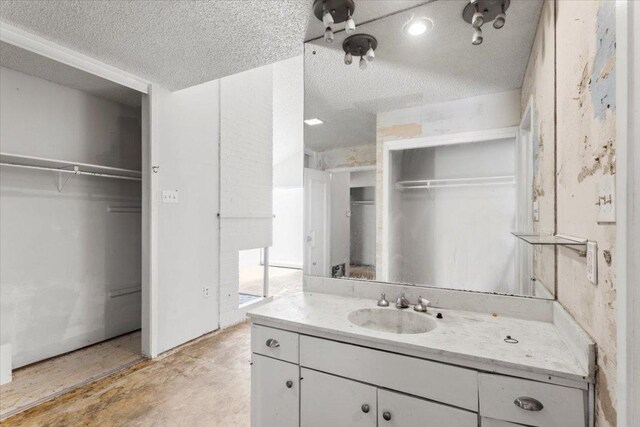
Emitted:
pixel 427 184
pixel 66 169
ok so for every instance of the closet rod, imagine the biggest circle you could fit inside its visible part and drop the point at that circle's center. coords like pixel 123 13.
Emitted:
pixel 470 179
pixel 477 184
pixel 74 171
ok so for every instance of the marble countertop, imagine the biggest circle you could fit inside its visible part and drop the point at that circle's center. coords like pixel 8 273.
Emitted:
pixel 462 337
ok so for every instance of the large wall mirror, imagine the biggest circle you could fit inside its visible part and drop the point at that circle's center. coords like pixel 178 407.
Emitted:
pixel 422 163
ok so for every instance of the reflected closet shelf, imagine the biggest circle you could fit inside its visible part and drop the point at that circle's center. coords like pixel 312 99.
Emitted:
pixel 456 182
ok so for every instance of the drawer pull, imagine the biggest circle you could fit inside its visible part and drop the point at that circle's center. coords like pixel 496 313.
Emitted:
pixel 528 404
pixel 289 384
pixel 271 343
pixel 365 408
pixel 386 415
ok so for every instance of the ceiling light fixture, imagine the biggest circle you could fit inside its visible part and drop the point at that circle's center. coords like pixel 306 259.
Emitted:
pixel 328 35
pixel 417 26
pixel 479 12
pixel 334 12
pixel 362 45
pixel 313 122
pixel 348 58
pixel 501 19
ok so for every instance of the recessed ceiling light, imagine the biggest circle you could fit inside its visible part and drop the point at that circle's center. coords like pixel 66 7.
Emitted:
pixel 417 26
pixel 313 122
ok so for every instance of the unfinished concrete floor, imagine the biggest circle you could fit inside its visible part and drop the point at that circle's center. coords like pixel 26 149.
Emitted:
pixel 44 380
pixel 203 383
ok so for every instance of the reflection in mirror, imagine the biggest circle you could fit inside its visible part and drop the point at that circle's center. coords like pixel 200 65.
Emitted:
pixel 419 167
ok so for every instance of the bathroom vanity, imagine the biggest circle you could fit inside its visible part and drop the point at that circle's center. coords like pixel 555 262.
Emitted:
pixel 330 360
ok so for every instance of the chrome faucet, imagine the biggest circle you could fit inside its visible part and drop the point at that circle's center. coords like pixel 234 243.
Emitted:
pixel 402 302
pixel 382 302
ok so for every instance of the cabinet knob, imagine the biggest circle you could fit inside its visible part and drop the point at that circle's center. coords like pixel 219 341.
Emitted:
pixel 386 415
pixel 528 404
pixel 271 343
pixel 365 408
pixel 289 384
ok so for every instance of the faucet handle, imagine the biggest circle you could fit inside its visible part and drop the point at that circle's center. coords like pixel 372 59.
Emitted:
pixel 382 302
pixel 422 305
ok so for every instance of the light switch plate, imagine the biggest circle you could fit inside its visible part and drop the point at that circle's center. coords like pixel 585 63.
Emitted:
pixel 607 199
pixel 592 262
pixel 536 211
pixel 170 196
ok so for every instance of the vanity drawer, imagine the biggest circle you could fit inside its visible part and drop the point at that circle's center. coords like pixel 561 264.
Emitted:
pixel 436 381
pixel 561 406
pixel 275 343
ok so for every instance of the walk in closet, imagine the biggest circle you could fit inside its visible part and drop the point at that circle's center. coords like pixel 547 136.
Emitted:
pixel 70 213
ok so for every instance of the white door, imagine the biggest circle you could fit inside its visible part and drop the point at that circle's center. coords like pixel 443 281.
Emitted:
pixel 399 410
pixel 316 223
pixel 327 400
pixel 275 392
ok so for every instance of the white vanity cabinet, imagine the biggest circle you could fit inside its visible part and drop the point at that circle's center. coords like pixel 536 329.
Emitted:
pixel 275 392
pixel 308 381
pixel 327 400
pixel 400 410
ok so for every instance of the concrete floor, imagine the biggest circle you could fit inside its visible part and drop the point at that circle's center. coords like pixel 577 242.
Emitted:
pixel 45 380
pixel 204 383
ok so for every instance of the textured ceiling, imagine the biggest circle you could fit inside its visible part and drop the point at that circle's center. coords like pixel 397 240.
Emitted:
pixel 181 43
pixel 439 66
pixel 35 65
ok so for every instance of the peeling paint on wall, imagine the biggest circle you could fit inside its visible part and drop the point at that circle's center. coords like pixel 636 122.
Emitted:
pixel 586 152
pixel 358 155
pixel 409 130
pixel 603 81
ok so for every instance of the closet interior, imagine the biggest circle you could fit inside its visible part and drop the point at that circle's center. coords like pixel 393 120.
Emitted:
pixel 456 204
pixel 71 213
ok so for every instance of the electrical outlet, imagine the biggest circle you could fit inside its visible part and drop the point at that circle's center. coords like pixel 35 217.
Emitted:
pixel 170 196
pixel 206 293
pixel 348 213
pixel 592 262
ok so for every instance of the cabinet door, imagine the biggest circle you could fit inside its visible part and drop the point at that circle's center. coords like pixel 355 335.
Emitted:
pixel 332 401
pixel 275 392
pixel 399 410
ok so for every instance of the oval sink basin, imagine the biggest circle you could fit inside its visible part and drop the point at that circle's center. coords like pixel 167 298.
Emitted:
pixel 392 320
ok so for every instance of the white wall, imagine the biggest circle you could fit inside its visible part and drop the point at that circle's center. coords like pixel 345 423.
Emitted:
pixel 188 231
pixel 246 177
pixel 287 228
pixel 288 155
pixel 63 252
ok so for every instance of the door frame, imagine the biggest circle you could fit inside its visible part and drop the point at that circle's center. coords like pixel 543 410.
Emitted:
pixel 527 139
pixel 628 211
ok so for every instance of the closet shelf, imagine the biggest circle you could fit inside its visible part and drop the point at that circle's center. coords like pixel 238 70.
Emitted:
pixel 456 182
pixel 63 167
pixel 363 202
